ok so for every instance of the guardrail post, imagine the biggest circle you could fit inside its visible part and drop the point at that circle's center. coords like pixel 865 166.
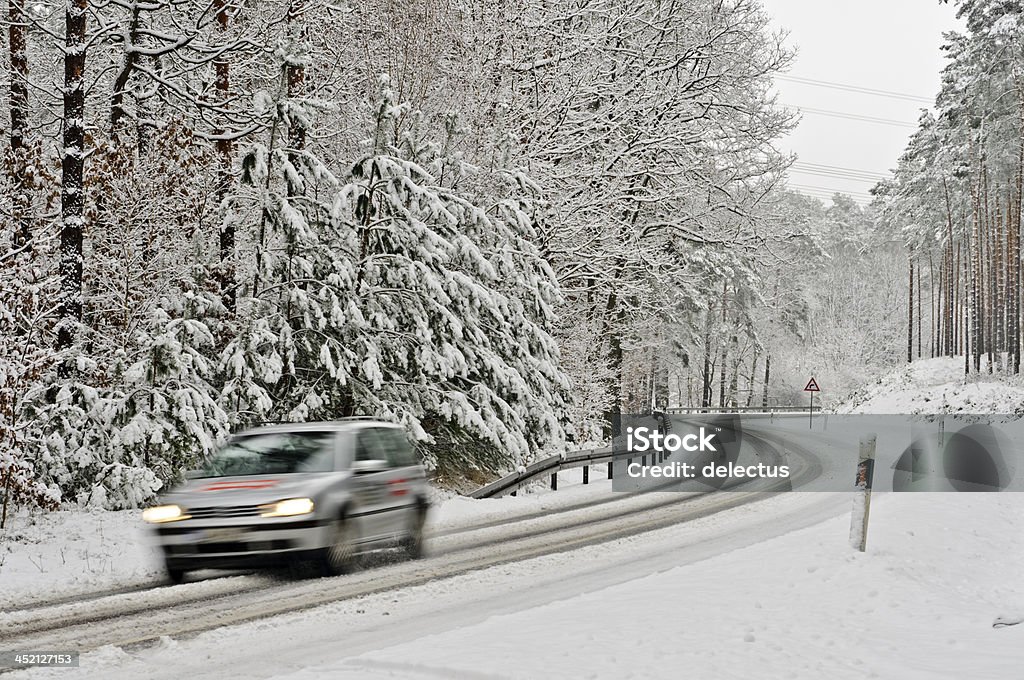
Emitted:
pixel 586 474
pixel 554 481
pixel 611 469
pixel 862 499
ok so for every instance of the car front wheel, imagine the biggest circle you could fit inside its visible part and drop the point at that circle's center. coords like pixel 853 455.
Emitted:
pixel 174 575
pixel 340 553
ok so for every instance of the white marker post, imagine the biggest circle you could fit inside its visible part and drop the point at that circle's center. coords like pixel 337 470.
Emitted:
pixel 862 499
pixel 812 387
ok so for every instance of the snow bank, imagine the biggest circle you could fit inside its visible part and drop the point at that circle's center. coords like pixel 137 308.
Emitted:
pixel 937 386
pixel 920 603
pixel 50 555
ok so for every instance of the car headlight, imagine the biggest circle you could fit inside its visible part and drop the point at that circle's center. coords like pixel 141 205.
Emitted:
pixel 288 508
pixel 164 513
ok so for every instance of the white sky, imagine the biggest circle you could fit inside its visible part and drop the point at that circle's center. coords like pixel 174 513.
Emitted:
pixel 890 45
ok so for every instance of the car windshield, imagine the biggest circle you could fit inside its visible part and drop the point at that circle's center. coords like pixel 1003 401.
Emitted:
pixel 273 453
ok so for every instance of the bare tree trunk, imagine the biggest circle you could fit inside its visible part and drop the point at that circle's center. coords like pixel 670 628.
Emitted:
pixel 131 58
pixel 767 376
pixel 296 78
pixel 225 151
pixel 18 100
pixel 721 375
pixel 998 281
pixel 933 336
pixel 725 348
pixel 72 175
pixel 1015 255
pixel 753 379
pixel 990 285
pixel 910 314
pixel 977 339
pixel 705 399
pixel 734 383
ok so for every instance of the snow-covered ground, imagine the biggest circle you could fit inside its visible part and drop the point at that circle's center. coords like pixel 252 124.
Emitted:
pixel 940 569
pixel 768 591
pixel 937 386
pixel 49 555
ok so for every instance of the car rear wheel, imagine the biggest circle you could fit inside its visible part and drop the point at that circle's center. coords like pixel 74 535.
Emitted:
pixel 414 541
pixel 340 553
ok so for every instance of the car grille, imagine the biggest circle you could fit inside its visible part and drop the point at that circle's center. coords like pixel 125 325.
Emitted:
pixel 228 547
pixel 215 512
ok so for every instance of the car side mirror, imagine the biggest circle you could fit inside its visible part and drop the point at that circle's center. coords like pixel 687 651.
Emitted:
pixel 363 467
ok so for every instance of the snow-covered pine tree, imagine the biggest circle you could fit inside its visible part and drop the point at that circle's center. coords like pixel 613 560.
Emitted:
pixel 26 353
pixel 383 293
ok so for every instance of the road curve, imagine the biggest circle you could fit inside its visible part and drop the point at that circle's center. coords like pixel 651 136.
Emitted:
pixel 138 618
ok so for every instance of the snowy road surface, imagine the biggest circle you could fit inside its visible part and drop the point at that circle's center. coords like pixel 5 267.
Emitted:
pixel 768 590
pixel 271 646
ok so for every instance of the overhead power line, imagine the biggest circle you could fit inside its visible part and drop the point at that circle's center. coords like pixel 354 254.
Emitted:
pixel 839 168
pixel 858 89
pixel 871 179
pixel 830 190
pixel 852 116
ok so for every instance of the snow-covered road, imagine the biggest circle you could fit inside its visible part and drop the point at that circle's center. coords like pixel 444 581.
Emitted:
pixel 142 615
pixel 419 599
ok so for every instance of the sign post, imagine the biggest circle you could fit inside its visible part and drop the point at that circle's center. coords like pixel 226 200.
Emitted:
pixel 862 499
pixel 812 387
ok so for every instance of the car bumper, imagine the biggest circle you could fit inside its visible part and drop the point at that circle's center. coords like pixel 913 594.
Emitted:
pixel 190 545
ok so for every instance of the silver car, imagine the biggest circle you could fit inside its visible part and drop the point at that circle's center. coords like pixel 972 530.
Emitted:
pixel 311 492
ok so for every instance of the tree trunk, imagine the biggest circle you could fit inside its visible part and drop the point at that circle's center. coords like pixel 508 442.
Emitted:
pixel 767 376
pixel 721 375
pixel 1015 254
pixel 296 77
pixel 977 339
pixel 751 387
pixel 131 58
pixel 910 314
pixel 919 311
pixel 72 173
pixel 933 336
pixel 225 151
pixel 705 398
pixel 21 200
pixel 613 319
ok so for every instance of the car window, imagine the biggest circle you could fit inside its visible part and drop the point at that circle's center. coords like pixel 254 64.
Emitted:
pixel 273 453
pixel 369 446
pixel 399 451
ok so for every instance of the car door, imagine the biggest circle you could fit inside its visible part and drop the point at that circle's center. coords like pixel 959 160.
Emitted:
pixel 402 479
pixel 370 485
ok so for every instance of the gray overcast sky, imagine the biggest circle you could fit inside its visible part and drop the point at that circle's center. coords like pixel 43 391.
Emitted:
pixel 890 45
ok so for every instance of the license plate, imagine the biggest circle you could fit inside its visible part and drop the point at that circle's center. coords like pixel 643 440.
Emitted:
pixel 224 535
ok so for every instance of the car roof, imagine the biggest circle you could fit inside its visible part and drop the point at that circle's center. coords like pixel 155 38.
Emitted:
pixel 336 425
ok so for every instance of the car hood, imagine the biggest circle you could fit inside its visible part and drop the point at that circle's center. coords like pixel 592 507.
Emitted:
pixel 245 490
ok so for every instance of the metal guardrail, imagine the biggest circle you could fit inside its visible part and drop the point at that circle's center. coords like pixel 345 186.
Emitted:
pixel 552 466
pixel 741 409
pixel 511 483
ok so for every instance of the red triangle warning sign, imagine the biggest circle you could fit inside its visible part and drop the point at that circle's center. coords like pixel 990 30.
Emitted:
pixel 812 386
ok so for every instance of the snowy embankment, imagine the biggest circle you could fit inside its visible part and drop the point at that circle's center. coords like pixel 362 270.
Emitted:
pixel 920 603
pixel 937 386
